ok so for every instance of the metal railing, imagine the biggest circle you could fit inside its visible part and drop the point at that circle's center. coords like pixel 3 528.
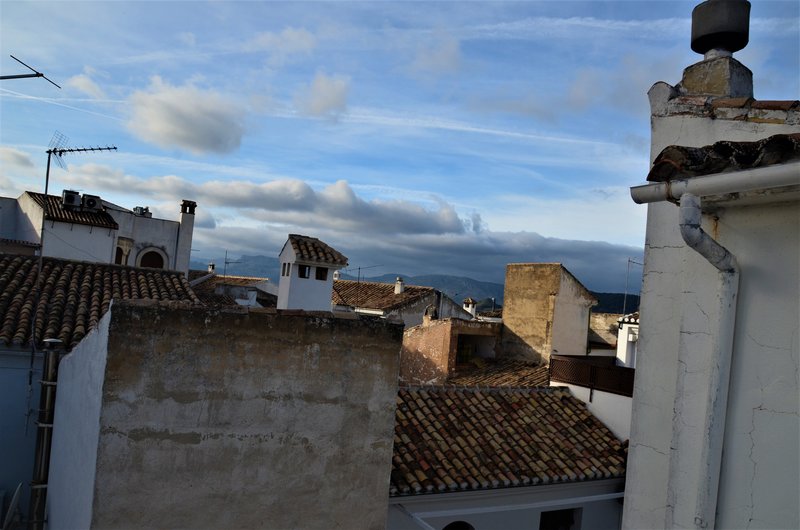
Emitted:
pixel 594 375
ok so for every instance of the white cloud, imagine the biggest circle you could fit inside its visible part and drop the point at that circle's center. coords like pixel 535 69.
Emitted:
pixel 84 83
pixel 284 45
pixel 187 38
pixel 10 156
pixel 186 117
pixel 326 96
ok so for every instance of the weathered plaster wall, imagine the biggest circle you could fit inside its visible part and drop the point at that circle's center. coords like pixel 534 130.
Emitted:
pixel 76 431
pixel 426 352
pixel 626 348
pixel 570 318
pixel 147 233
pixel 78 242
pixel 244 419
pixel 528 309
pixel 8 218
pixel 759 472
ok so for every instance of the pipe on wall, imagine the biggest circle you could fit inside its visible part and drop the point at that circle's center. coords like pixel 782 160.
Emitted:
pixel 713 426
pixel 762 178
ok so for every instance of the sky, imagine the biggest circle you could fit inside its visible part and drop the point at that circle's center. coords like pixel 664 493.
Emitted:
pixel 414 137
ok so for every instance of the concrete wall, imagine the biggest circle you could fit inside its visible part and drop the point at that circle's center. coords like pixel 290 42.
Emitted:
pixel 18 423
pixel 612 409
pixel 528 308
pixel 76 432
pixel 759 481
pixel 8 218
pixel 242 419
pixel 571 318
pixel 511 508
pixel 626 348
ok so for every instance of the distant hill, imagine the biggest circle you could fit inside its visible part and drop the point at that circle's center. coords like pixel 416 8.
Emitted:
pixel 456 287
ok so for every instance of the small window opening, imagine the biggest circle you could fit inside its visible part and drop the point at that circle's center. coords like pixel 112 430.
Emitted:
pixel 322 273
pixel 152 260
pixel 560 520
pixel 303 271
pixel 459 525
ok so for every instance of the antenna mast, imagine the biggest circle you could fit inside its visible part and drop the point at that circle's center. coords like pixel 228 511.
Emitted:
pixel 25 76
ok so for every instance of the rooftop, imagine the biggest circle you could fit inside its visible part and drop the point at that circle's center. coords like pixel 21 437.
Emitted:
pixel 57 212
pixel 312 250
pixel 374 295
pixel 74 296
pixel 722 157
pixel 464 439
pixel 500 373
pixel 208 287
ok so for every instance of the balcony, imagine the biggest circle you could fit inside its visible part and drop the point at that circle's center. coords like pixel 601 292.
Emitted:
pixel 596 373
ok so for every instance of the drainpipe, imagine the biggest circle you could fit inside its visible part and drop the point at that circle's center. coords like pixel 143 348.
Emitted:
pixel 713 426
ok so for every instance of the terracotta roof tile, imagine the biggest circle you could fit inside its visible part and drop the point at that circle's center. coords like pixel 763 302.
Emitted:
pixel 500 373
pixel 680 162
pixel 774 104
pixel 206 288
pixel 462 439
pixel 312 250
pixel 731 103
pixel 74 296
pixel 374 295
pixel 57 212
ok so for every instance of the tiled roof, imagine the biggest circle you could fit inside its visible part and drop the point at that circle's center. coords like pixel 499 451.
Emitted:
pixel 74 295
pixel 374 295
pixel 679 162
pixel 312 250
pixel 57 212
pixel 464 439
pixel 501 373
pixel 632 318
pixel 205 287
pixel 19 242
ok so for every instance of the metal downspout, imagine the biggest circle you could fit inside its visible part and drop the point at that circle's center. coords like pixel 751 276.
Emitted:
pixel 708 470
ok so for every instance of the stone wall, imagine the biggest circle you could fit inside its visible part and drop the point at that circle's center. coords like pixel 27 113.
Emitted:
pixel 233 419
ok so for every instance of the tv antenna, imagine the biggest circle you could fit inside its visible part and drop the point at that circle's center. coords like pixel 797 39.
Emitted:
pixel 225 266
pixel 35 73
pixel 627 274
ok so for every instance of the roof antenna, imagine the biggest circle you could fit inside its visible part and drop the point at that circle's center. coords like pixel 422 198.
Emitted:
pixel 24 76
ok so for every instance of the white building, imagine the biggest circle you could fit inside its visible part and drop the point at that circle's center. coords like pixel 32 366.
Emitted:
pixel 88 228
pixel 627 339
pixel 307 267
pixel 715 431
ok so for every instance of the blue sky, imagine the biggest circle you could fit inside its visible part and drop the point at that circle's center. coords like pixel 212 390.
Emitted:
pixel 444 137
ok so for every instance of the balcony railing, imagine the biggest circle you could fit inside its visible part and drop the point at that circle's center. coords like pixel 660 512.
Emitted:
pixel 593 374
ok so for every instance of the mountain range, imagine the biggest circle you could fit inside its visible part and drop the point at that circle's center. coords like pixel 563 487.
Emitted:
pixel 488 294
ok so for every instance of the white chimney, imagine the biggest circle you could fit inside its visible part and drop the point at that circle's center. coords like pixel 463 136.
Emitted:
pixel 337 275
pixel 471 306
pixel 399 286
pixel 211 267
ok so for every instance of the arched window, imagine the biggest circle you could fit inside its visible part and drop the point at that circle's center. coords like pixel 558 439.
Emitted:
pixel 459 525
pixel 152 260
pixel 119 257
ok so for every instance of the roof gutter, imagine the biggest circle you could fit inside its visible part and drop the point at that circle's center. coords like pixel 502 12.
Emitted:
pixel 759 179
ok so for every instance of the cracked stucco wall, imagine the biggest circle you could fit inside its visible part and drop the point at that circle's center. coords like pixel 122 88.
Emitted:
pixel 759 478
pixel 239 419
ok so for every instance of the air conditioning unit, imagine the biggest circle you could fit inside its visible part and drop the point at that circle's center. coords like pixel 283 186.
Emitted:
pixel 92 203
pixel 70 199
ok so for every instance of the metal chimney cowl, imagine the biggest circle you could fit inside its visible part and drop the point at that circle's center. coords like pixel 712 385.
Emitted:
pixel 720 25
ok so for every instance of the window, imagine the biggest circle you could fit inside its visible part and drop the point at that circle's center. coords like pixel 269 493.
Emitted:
pixel 120 255
pixel 286 269
pixel 303 271
pixel 152 260
pixel 560 519
pixel 322 273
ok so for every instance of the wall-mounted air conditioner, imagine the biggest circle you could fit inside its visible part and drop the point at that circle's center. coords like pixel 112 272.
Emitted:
pixel 70 199
pixel 91 203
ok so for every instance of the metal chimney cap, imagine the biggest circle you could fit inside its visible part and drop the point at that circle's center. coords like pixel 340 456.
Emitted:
pixel 720 24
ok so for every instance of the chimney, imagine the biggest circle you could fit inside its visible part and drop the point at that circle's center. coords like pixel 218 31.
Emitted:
pixel 211 267
pixel 336 275
pixel 719 28
pixel 471 307
pixel 183 249
pixel 399 286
